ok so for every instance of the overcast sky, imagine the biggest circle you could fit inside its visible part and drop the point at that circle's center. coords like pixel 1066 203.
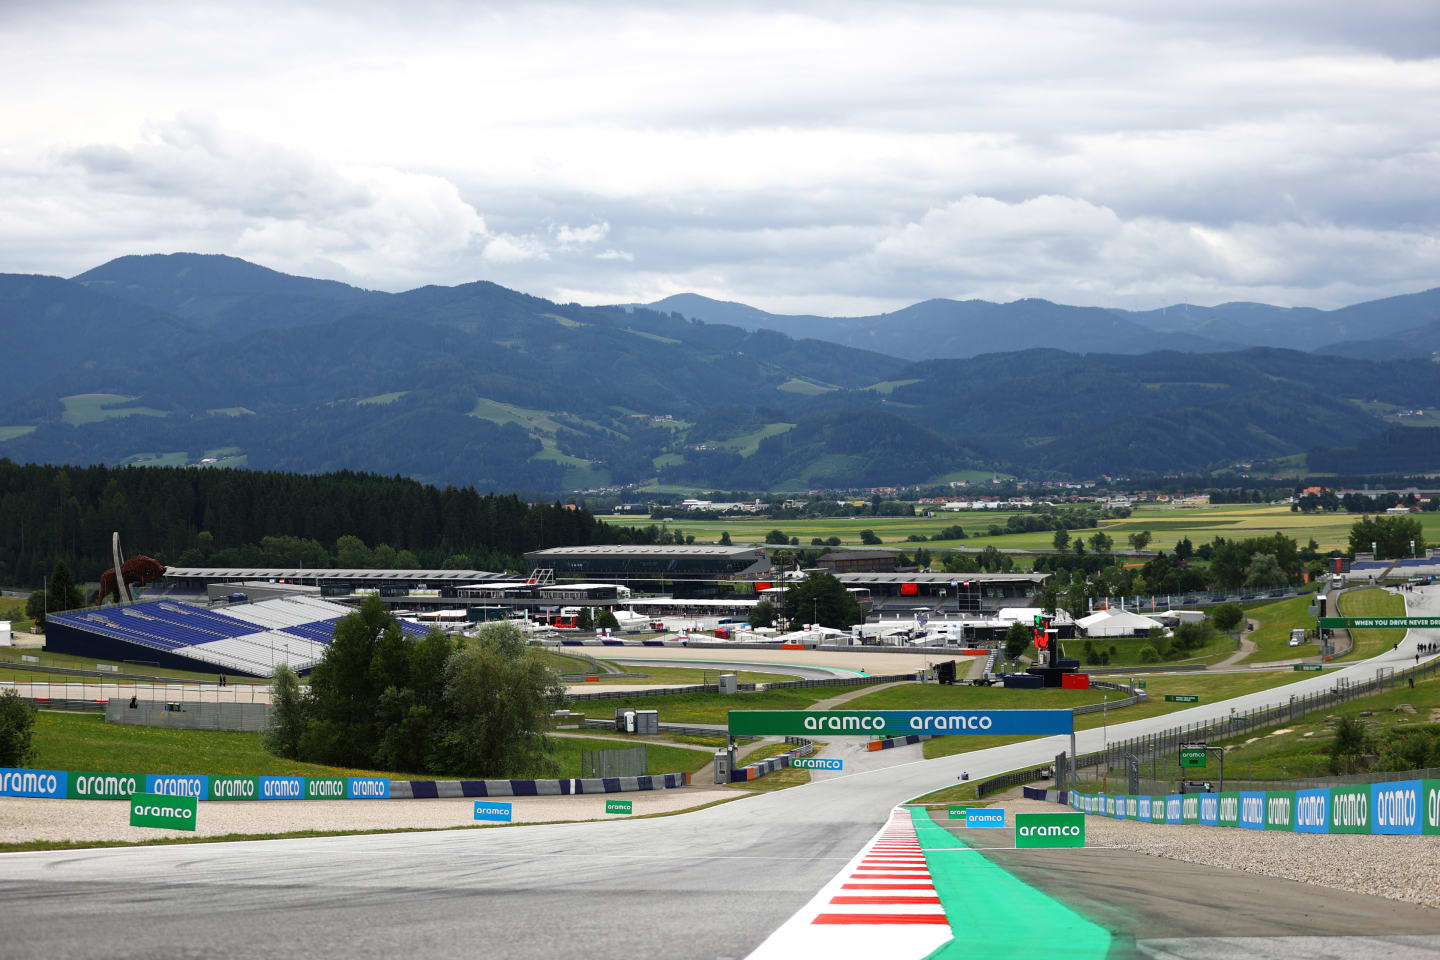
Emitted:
pixel 830 158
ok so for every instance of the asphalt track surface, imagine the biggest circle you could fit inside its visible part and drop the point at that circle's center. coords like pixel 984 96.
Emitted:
pixel 713 883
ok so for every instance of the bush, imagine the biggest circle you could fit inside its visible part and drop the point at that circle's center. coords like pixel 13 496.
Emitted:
pixel 1149 654
pixel 869 538
pixel 1352 742
pixel 17 718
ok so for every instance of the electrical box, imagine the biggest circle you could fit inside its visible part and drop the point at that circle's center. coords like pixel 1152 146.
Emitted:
pixel 729 683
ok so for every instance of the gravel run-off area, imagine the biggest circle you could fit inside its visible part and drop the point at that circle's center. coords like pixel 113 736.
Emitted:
pixel 24 819
pixel 1397 867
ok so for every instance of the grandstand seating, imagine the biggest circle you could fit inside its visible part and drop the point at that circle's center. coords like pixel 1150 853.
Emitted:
pixel 249 638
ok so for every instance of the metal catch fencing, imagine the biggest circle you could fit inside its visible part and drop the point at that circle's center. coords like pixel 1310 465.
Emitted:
pixel 618 762
pixel 1156 753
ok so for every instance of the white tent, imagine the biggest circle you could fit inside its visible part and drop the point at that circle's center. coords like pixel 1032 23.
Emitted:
pixel 1115 623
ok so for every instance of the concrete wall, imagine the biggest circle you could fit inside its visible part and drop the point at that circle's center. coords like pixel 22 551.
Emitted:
pixel 192 715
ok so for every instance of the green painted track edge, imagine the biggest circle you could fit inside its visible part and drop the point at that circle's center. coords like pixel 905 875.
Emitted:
pixel 994 914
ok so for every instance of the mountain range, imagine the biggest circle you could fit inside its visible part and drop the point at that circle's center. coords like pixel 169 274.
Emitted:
pixel 947 329
pixel 184 358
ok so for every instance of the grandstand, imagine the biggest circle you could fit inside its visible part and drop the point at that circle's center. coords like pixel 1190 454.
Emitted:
pixel 241 638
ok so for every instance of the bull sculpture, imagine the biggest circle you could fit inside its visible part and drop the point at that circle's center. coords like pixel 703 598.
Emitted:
pixel 138 571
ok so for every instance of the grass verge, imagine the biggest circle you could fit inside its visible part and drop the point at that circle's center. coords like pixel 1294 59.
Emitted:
pixel 1371 602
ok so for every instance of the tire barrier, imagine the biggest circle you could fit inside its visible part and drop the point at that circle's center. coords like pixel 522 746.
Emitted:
pixel 890 743
pixel 1392 807
pixel 761 768
pixel 84 785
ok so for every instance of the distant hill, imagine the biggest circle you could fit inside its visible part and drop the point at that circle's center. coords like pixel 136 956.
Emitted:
pixel 182 359
pixel 952 329
pixel 957 329
pixel 225 295
pixel 56 332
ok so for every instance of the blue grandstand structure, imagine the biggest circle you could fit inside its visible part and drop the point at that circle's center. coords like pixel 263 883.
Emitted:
pixel 240 638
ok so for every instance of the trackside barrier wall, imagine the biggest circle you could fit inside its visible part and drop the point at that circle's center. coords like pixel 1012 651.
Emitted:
pixel 754 771
pixel 454 789
pixel 890 743
pixel 743 687
pixel 84 785
pixel 1390 807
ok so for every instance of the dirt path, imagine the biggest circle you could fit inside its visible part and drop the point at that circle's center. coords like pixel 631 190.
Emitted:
pixel 1247 647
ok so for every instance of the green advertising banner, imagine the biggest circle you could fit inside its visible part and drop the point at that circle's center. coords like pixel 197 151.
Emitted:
pixel 1307 667
pixel 1280 810
pixel 1190 808
pixel 956 813
pixel 618 806
pixel 1430 796
pixel 234 788
pixel 1049 830
pixel 867 723
pixel 1350 809
pixel 324 788
pixel 104 786
pixel 1229 809
pixel 1192 756
pixel 1182 698
pixel 1380 623
pixel 163 812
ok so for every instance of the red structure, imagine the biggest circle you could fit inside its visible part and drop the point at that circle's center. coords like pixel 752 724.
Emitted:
pixel 137 571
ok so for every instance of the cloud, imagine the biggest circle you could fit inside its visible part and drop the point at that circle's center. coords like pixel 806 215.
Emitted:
pixel 837 157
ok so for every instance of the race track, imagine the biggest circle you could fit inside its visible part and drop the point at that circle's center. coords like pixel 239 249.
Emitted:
pixel 713 883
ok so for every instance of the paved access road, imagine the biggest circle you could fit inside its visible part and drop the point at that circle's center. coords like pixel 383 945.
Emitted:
pixel 713 883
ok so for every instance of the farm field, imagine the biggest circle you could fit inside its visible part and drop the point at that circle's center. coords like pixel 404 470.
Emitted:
pixel 91 407
pixel 1166 525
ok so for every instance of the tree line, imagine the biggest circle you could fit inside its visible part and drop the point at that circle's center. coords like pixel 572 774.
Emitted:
pixel 248 517
pixel 380 700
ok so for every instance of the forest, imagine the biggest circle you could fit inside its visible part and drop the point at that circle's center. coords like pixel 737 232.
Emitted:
pixel 223 517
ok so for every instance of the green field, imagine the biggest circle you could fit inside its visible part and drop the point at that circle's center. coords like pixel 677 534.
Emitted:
pixel 1276 620
pixel 686 675
pixel 748 443
pixel 807 388
pixel 1127 650
pixel 1371 602
pixel 1166 524
pixel 92 407
pixel 1302 749
pixel 69 741
pixel 1210 688
pixel 13 655
pixel 934 696
pixel 705 707
pixel 382 399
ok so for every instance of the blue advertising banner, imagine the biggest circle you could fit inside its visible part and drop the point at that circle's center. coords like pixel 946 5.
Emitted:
pixel 864 723
pixel 1312 811
pixel 1174 808
pixel 1396 807
pixel 492 810
pixel 281 788
pixel 987 817
pixel 1252 810
pixel 1121 805
pixel 178 785
pixel 1142 810
pixel 367 788
pixel 33 783
pixel 1210 809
